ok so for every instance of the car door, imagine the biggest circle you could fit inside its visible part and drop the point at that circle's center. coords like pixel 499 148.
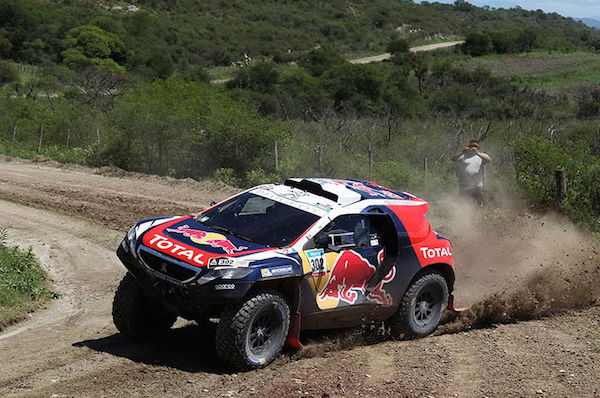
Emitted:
pixel 343 257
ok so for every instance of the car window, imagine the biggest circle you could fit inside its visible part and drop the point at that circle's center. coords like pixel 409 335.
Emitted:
pixel 258 219
pixel 345 232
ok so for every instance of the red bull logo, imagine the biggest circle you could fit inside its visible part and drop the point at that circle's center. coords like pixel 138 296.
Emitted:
pixel 349 277
pixel 379 295
pixel 207 238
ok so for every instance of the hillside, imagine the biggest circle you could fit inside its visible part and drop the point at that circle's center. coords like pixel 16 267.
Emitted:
pixel 591 22
pixel 156 37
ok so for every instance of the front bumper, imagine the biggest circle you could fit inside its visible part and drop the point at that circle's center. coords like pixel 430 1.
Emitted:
pixel 188 289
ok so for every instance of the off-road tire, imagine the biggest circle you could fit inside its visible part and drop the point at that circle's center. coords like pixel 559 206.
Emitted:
pixel 238 330
pixel 422 307
pixel 137 316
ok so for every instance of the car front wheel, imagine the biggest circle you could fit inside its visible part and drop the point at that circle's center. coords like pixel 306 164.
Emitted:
pixel 251 334
pixel 136 315
pixel 422 306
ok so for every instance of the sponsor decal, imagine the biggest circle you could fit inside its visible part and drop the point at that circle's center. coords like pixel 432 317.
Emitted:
pixel 348 278
pixel 165 245
pixel 435 252
pixel 220 262
pixel 316 259
pixel 225 286
pixel 276 271
pixel 377 192
pixel 207 238
pixel 379 295
pixel 286 250
pixel 374 240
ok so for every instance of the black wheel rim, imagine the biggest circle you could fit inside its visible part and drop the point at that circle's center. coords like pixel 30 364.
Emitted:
pixel 263 331
pixel 426 307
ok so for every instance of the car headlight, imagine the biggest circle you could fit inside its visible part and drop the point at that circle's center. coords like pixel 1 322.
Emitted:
pixel 131 240
pixel 229 274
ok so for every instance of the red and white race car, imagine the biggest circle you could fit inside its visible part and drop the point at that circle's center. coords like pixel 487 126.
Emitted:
pixel 276 259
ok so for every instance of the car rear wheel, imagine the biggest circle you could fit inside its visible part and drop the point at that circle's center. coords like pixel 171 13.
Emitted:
pixel 251 334
pixel 137 316
pixel 422 306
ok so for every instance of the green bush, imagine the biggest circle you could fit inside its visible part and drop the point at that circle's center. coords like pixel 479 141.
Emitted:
pixel 477 44
pixel 22 283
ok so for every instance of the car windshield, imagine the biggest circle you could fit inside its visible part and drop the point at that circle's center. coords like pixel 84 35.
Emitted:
pixel 257 219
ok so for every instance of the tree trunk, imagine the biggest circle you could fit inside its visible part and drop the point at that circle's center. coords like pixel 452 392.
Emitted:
pixel 41 137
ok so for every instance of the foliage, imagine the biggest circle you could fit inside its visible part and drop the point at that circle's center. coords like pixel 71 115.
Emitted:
pixel 318 60
pixel 22 283
pixel 8 73
pixel 538 158
pixel 477 44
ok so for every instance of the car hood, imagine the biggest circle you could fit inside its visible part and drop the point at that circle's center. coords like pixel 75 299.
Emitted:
pixel 187 239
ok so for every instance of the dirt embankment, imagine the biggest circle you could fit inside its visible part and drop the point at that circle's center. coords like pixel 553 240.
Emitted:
pixel 509 264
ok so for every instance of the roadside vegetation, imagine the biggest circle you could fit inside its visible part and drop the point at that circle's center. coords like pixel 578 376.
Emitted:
pixel 129 89
pixel 23 285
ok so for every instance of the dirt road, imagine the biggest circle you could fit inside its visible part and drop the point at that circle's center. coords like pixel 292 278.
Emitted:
pixel 380 57
pixel 74 218
pixel 386 56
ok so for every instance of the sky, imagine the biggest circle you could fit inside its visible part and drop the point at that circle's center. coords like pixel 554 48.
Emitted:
pixel 568 8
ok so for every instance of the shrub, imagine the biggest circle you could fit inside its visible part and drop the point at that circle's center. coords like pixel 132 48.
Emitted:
pixel 477 44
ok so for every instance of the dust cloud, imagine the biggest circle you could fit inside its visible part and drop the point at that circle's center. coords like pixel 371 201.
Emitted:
pixel 512 265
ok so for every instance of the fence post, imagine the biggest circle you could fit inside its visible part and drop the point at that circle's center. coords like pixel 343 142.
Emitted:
pixel 15 129
pixel 561 183
pixel 68 136
pixel 276 157
pixel 41 136
pixel 98 134
pixel 319 152
pixel 425 166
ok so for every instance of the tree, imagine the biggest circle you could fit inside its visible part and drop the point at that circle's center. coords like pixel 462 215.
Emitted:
pixel 261 78
pixel 318 60
pixel 90 45
pixel 419 63
pixel 528 39
pixel 477 44
pixel 8 73
pixel 353 87
pixel 398 46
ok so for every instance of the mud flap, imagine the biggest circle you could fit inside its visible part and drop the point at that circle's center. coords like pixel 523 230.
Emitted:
pixel 293 339
pixel 451 306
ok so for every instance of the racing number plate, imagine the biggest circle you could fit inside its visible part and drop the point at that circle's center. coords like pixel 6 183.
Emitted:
pixel 316 258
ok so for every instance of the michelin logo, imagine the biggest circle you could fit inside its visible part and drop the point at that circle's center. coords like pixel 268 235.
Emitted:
pixel 276 271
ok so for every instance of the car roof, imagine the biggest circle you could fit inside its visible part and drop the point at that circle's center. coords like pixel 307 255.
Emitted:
pixel 322 195
pixel 346 191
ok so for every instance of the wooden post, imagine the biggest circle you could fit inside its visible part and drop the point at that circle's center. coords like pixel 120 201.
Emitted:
pixel 41 137
pixel 425 166
pixel 370 159
pixel 98 134
pixel 561 184
pixel 276 157
pixel 319 152
pixel 15 129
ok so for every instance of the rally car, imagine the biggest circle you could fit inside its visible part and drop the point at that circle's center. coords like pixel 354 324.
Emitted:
pixel 276 259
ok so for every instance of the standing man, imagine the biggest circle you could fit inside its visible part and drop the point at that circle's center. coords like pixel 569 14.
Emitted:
pixel 471 164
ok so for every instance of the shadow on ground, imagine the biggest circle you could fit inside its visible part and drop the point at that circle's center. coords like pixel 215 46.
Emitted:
pixel 189 348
